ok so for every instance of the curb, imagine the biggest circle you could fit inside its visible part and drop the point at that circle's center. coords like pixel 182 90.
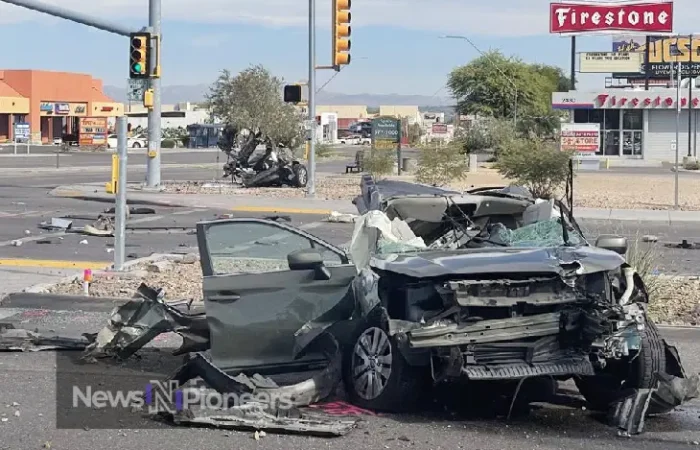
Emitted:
pixel 130 201
pixel 54 301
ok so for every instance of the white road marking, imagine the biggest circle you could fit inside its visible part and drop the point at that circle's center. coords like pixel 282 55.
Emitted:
pixel 145 219
pixel 190 211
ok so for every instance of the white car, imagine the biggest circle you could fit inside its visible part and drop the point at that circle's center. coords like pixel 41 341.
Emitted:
pixel 132 142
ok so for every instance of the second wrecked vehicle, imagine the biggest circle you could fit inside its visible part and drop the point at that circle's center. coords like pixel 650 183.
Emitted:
pixel 490 285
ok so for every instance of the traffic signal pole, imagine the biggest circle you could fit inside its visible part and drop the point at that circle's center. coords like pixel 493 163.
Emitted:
pixel 73 16
pixel 154 130
pixel 311 188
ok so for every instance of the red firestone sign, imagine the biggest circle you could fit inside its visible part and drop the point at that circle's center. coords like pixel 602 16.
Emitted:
pixel 648 17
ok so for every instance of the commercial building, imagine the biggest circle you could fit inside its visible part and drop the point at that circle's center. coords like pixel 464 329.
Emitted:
pixel 51 102
pixel 635 123
pixel 178 115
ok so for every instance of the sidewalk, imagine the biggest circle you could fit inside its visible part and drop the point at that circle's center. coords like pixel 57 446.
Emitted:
pixel 258 204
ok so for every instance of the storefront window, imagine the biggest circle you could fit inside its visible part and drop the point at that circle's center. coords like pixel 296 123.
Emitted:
pixel 632 120
pixel 632 124
pixel 609 121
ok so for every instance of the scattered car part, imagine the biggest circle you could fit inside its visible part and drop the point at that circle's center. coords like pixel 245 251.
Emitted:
pixel 17 339
pixel 140 320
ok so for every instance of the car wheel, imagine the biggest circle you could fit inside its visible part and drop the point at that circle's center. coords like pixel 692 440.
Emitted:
pixel 641 372
pixel 377 376
pixel 136 145
pixel 301 175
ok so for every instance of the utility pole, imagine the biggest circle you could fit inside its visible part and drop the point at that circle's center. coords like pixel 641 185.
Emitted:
pixel 154 131
pixel 120 209
pixel 154 113
pixel 311 188
pixel 690 99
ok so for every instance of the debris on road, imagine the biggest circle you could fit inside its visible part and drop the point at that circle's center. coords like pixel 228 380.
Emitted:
pixel 337 217
pixel 17 339
pixel 56 224
pixel 650 238
pixel 132 210
pixel 102 227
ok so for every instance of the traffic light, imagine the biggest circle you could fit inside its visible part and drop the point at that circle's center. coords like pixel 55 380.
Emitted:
pixel 341 33
pixel 292 93
pixel 139 55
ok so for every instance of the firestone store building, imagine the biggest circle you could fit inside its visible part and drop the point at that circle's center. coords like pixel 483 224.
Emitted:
pixel 51 102
pixel 635 124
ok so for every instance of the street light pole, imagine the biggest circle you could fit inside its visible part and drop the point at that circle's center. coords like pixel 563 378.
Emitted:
pixel 498 69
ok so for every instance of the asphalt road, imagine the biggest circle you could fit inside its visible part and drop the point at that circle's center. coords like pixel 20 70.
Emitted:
pixel 31 383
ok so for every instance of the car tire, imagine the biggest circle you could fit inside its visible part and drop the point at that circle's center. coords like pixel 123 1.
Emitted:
pixel 399 388
pixel 604 389
pixel 301 175
pixel 136 145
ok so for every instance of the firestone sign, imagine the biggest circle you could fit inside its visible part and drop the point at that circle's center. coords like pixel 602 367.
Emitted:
pixel 572 18
pixel 617 100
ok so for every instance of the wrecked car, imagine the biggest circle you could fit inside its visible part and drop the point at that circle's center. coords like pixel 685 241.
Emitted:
pixel 275 167
pixel 488 285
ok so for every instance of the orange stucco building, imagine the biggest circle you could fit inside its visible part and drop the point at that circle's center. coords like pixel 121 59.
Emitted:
pixel 51 102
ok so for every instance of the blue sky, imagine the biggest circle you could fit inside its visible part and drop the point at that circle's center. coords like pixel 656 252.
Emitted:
pixel 395 43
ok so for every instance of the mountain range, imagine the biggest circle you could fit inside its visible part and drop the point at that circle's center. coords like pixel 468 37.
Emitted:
pixel 196 93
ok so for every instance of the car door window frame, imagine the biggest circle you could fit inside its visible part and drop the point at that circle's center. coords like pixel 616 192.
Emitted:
pixel 205 254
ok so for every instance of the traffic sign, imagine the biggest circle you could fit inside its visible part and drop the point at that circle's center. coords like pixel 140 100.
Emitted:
pixel 22 131
pixel 137 87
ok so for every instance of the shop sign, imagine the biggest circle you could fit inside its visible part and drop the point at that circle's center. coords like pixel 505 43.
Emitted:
pixel 439 128
pixel 80 109
pixel 580 137
pixel 609 101
pixel 46 107
pixel 610 62
pixel 581 18
pixel 662 54
pixel 92 131
pixel 107 108
pixel 62 108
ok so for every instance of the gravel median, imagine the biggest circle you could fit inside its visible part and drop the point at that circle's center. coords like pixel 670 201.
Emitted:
pixel 591 190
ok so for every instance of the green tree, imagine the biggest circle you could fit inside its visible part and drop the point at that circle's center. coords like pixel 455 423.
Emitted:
pixel 486 86
pixel 252 100
pixel 535 164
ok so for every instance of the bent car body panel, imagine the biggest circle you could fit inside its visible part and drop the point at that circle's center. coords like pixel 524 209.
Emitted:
pixel 493 260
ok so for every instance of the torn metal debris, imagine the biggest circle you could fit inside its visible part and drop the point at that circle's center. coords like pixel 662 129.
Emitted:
pixel 21 340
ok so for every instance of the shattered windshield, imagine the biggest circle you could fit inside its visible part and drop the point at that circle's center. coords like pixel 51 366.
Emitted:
pixel 534 226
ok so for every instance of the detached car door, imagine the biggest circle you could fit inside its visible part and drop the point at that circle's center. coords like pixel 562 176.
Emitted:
pixel 254 301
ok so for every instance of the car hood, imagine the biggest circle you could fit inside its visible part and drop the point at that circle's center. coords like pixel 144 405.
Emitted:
pixel 557 260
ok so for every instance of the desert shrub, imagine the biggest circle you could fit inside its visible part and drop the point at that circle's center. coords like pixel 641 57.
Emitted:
pixel 323 150
pixel 644 257
pixel 379 162
pixel 438 165
pixel 167 143
pixel 534 164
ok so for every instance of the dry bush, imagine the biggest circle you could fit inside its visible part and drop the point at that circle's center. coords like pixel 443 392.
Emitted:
pixel 535 164
pixel 644 258
pixel 439 165
pixel 379 162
